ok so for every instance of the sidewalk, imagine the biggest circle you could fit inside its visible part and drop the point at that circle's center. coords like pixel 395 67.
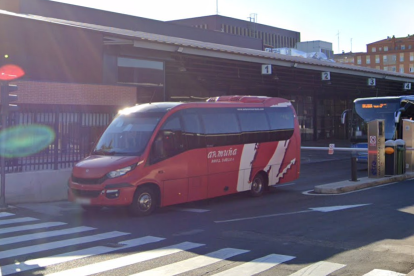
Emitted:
pixel 362 183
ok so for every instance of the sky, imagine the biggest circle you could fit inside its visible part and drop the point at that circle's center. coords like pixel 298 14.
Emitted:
pixel 348 24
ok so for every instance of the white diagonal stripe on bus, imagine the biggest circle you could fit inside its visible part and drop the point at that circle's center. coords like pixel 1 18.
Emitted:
pixel 193 263
pixel 16 220
pixel 73 255
pixel 256 266
pixel 58 244
pixel 318 269
pixel 127 260
pixel 5 214
pixel 43 235
pixel 380 272
pixel 30 227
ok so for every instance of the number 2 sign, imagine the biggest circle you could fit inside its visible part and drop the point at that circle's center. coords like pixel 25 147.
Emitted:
pixel 326 76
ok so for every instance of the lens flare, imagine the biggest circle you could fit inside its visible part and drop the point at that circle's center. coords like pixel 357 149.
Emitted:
pixel 25 140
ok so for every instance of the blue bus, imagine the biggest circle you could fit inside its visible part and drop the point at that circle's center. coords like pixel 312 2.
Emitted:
pixel 392 109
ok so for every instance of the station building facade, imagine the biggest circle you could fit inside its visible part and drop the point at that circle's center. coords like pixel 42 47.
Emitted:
pixel 83 58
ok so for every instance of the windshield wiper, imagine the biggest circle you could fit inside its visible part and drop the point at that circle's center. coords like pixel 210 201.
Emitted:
pixel 103 152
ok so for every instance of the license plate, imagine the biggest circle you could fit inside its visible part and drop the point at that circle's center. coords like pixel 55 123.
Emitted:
pixel 83 201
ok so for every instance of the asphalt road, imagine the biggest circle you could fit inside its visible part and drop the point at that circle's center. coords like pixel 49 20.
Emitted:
pixel 288 231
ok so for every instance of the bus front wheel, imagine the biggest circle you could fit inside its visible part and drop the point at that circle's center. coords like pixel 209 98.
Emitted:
pixel 258 186
pixel 144 202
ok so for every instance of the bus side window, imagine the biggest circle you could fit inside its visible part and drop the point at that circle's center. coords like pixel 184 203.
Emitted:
pixel 221 127
pixel 192 129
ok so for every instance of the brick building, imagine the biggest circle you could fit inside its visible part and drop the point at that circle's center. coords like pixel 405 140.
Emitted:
pixel 393 54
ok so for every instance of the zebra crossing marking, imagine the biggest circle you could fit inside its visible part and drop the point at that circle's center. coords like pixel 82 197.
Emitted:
pixel 127 260
pixel 16 220
pixel 30 227
pixel 256 266
pixel 380 272
pixel 58 244
pixel 247 268
pixel 5 214
pixel 193 210
pixel 44 235
pixel 74 255
pixel 193 263
pixel 318 269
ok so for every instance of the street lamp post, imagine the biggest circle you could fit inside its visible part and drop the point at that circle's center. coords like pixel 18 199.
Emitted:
pixel 7 73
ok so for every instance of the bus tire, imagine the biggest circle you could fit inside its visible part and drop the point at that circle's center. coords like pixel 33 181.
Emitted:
pixel 258 186
pixel 144 202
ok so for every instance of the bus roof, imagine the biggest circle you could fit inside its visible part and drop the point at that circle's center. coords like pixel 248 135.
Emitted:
pixel 150 107
pixel 403 97
pixel 166 106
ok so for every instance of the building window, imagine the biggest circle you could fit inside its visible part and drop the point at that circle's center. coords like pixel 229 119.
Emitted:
pixel 358 60
pixel 385 48
pixel 384 59
pixel 411 68
pixel 368 60
pixel 401 68
pixel 377 67
pixel 139 71
pixel 392 59
pixel 402 47
pixel 385 68
pixel 380 49
pixel 409 46
pixel 393 69
pixel 401 57
pixel 411 56
pixel 374 49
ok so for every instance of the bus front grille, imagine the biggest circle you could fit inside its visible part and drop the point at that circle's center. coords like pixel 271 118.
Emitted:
pixel 88 181
pixel 83 193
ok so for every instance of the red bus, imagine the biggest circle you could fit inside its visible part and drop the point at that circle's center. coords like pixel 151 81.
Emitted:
pixel 159 154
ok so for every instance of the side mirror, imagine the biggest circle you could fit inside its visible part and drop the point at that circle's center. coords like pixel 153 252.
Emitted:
pixel 343 116
pixel 397 116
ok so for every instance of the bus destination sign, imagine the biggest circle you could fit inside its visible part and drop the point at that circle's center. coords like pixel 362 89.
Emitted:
pixel 381 105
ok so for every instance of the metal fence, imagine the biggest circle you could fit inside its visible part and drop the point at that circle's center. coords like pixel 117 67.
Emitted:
pixel 75 130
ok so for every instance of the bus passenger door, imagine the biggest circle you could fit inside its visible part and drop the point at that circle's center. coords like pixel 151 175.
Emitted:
pixel 170 164
pixel 196 155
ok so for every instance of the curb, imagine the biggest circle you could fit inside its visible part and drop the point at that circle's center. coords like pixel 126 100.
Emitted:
pixel 363 183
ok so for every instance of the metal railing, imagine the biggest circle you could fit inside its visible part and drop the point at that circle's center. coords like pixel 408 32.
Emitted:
pixel 75 132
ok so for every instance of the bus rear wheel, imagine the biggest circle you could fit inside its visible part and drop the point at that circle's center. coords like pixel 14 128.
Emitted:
pixel 258 186
pixel 144 202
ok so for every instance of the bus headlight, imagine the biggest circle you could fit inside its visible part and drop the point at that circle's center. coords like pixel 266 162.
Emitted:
pixel 120 172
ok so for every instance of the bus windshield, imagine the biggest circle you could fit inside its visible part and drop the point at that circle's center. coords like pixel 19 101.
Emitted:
pixel 372 109
pixel 128 134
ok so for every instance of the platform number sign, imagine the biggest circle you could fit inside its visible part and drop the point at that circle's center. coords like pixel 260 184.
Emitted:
pixel 371 82
pixel 326 76
pixel 407 86
pixel 266 69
